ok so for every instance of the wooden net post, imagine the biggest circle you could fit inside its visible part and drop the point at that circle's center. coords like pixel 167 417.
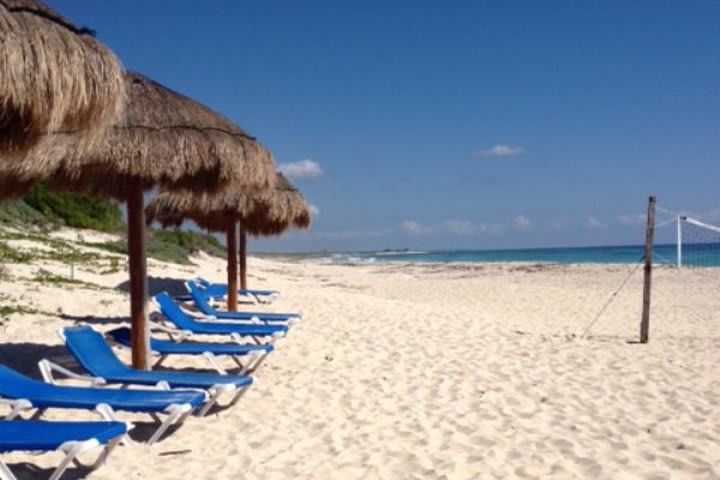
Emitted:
pixel 647 281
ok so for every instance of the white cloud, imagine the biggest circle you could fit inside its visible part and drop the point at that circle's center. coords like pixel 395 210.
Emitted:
pixel 302 169
pixel 521 222
pixel 459 227
pixel 593 223
pixel 414 228
pixel 632 219
pixel 500 151
pixel 314 210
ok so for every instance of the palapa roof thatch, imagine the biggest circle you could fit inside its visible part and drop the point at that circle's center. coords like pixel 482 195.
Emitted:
pixel 267 212
pixel 162 138
pixel 54 76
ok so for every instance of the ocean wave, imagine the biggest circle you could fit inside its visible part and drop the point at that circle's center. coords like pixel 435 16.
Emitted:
pixel 343 259
pixel 400 252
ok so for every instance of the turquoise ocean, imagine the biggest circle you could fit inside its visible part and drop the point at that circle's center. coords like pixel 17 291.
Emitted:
pixel 698 255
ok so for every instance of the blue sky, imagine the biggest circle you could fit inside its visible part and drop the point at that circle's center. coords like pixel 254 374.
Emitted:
pixel 476 124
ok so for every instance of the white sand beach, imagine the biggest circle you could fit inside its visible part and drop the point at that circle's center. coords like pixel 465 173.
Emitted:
pixel 422 372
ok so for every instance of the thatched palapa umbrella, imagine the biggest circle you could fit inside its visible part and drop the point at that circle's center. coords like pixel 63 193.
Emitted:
pixel 267 212
pixel 54 76
pixel 162 138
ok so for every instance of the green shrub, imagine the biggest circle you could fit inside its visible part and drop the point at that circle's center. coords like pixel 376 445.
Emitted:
pixel 119 246
pixel 77 211
pixel 190 241
pixel 10 255
pixel 17 212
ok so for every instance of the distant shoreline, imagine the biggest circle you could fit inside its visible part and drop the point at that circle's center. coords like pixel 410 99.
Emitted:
pixel 698 255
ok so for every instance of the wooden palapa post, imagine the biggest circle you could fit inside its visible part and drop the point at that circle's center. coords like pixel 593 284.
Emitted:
pixel 649 238
pixel 243 257
pixel 138 274
pixel 232 266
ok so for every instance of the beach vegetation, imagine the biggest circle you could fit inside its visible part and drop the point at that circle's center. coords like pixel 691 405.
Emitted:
pixel 9 254
pixel 45 210
pixel 18 212
pixel 7 310
pixel 46 277
pixel 76 211
pixel 113 267
pixel 169 246
pixel 190 242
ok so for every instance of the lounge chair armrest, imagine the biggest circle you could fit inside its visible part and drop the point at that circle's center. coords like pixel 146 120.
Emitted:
pixel 163 385
pixel 179 409
pixel 222 388
pixel 266 299
pixel 198 315
pixel 47 368
pixel 174 334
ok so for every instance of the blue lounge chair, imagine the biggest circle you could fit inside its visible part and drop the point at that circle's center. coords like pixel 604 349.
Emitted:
pixel 22 394
pixel 254 354
pixel 92 352
pixel 72 438
pixel 171 312
pixel 202 303
pixel 218 291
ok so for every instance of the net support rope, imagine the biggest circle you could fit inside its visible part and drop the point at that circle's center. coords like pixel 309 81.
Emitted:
pixel 611 298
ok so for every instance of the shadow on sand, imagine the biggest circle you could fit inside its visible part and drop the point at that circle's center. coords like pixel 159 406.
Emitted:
pixel 174 286
pixel 24 358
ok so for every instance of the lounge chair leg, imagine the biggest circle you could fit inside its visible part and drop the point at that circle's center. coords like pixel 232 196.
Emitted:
pixel 38 413
pixel 242 368
pixel 254 366
pixel 104 454
pixel 238 396
pixel 16 407
pixel 5 473
pixel 108 414
pixel 160 360
pixel 71 449
pixel 176 413
pixel 214 394
pixel 214 362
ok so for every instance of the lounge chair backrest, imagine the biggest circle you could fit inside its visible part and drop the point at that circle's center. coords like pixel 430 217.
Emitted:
pixel 202 282
pixel 92 351
pixel 170 310
pixel 198 296
pixel 16 385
